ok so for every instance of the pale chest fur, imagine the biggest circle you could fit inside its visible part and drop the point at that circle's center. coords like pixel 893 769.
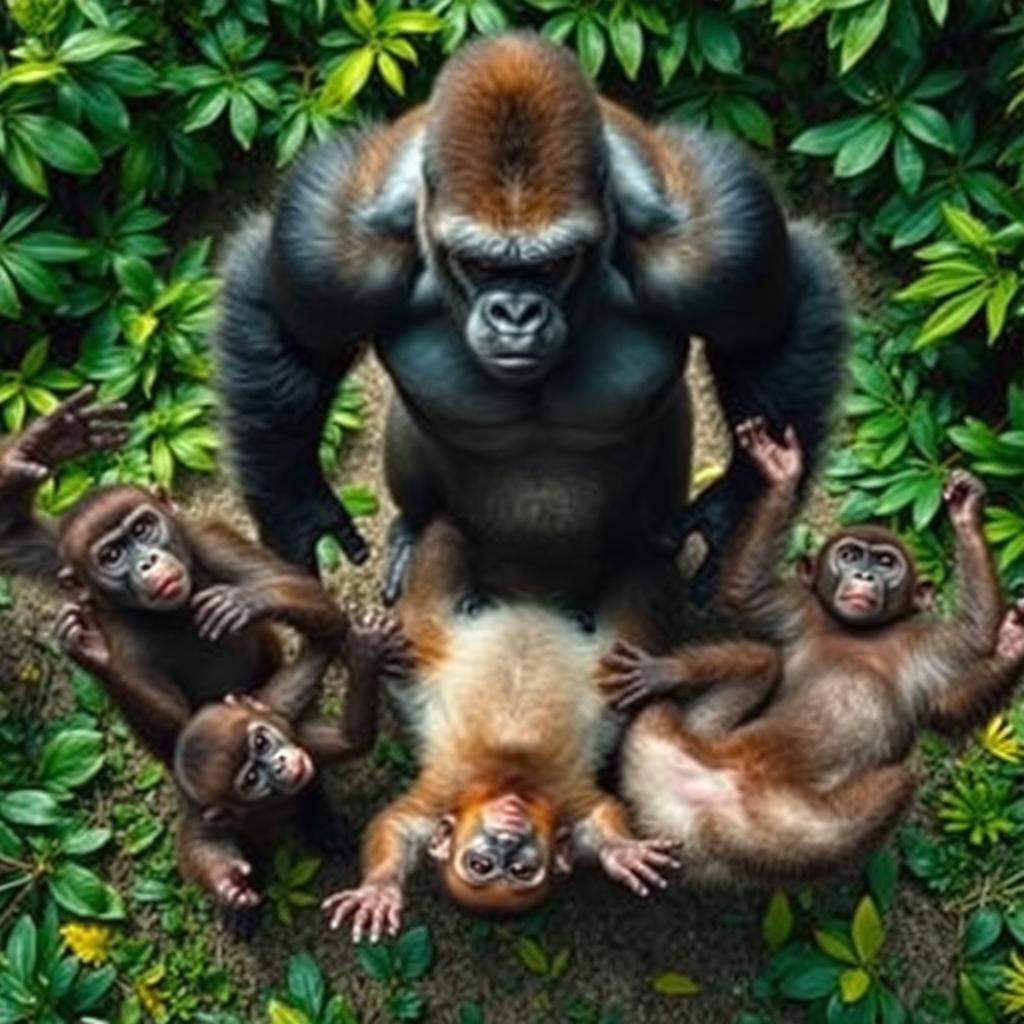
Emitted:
pixel 515 679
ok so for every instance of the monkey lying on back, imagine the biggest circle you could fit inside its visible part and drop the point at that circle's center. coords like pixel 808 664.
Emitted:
pixel 166 614
pixel 245 765
pixel 821 774
pixel 512 729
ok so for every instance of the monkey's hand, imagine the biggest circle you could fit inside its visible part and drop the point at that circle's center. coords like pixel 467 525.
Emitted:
pixel 638 864
pixel 80 640
pixel 780 463
pixel 229 882
pixel 375 909
pixel 377 645
pixel 630 676
pixel 76 426
pixel 964 495
pixel 226 610
pixel 1010 639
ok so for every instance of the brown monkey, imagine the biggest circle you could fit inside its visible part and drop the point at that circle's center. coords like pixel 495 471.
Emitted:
pixel 821 773
pixel 245 765
pixel 511 729
pixel 167 614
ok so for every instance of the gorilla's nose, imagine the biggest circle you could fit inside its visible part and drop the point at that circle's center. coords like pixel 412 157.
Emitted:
pixel 516 313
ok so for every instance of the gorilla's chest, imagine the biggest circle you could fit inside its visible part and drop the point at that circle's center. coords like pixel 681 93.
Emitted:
pixel 612 381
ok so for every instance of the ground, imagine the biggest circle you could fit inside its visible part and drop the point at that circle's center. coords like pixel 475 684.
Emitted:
pixel 617 941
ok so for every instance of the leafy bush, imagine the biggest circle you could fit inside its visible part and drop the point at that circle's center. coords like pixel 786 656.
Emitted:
pixel 901 118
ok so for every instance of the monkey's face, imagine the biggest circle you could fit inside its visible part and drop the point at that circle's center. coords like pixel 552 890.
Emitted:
pixel 142 561
pixel 866 581
pixel 274 765
pixel 499 856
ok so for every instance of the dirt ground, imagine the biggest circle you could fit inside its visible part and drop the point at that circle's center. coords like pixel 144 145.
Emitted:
pixel 617 942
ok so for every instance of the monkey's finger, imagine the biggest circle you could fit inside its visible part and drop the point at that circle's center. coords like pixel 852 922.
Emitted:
pixel 647 871
pixel 789 438
pixel 28 468
pixel 77 401
pixel 394 918
pixel 379 921
pixel 361 922
pixel 229 620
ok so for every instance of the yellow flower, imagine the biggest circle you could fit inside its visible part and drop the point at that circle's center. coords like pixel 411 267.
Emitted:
pixel 1000 740
pixel 1011 995
pixel 89 942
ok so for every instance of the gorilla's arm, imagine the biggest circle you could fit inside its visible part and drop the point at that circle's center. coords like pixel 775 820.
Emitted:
pixel 304 289
pixel 705 244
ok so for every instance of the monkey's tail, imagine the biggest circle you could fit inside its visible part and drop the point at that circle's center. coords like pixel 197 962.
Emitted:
pixel 798 833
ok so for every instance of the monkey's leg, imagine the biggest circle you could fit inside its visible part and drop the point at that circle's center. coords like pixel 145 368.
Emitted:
pixel 794 382
pixel 275 397
pixel 438 577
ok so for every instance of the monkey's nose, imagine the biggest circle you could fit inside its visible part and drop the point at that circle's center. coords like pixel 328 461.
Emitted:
pixel 512 313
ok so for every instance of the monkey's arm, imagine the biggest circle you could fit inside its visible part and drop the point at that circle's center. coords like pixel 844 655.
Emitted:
pixel 209 855
pixel 152 705
pixel 254 585
pixel 304 288
pixel 603 831
pixel 630 676
pixel 293 689
pixel 393 844
pixel 971 699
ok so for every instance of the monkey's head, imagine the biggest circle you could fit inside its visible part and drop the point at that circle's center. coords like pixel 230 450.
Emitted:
pixel 125 548
pixel 866 578
pixel 513 213
pixel 229 758
pixel 498 854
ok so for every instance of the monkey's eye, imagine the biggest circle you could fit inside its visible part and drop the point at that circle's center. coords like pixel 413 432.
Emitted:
pixel 251 778
pixel 478 864
pixel 144 525
pixel 848 553
pixel 260 742
pixel 886 561
pixel 555 270
pixel 110 554
pixel 474 270
pixel 523 872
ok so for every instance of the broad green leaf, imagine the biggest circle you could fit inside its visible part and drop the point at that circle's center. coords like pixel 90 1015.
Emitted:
pixel 71 758
pixel 834 946
pixel 863 26
pixel 375 961
pixel 282 1013
pixel 670 983
pixel 59 144
pixel 951 316
pixel 628 44
pixel 306 984
pixel 29 807
pixel 414 952
pixel 93 43
pixel 867 931
pixel 531 955
pixel 82 892
pixel 974 1003
pixel 348 78
pixel 590 45
pixel 719 41
pixel 927 124
pixel 862 151
pixel 983 929
pixel 825 139
pixel 391 71
pixel 966 227
pixel 777 923
pixel 853 984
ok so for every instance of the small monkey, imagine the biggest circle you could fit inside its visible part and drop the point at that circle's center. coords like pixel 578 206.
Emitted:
pixel 512 729
pixel 822 772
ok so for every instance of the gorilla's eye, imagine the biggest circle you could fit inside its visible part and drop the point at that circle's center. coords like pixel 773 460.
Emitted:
pixel 474 270
pixel 555 270
pixel 479 864
pixel 849 553
pixel 111 554
pixel 144 526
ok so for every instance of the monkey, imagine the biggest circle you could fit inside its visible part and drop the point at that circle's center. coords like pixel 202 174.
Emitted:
pixel 166 614
pixel 511 729
pixel 529 262
pixel 821 773
pixel 246 765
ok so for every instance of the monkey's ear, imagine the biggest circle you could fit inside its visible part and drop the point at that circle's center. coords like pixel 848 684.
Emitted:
pixel 924 595
pixel 439 846
pixel 563 853
pixel 163 496
pixel 805 570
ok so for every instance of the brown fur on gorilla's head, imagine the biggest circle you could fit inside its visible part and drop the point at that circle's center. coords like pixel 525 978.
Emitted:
pixel 881 591
pixel 514 136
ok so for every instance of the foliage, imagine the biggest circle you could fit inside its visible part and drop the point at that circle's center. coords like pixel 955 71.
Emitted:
pixel 119 120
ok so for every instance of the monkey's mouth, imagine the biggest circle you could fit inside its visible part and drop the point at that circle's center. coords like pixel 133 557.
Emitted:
pixel 519 368
pixel 859 600
pixel 302 772
pixel 168 588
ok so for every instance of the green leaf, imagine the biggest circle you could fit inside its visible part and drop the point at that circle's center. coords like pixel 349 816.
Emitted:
pixel 29 807
pixel 939 9
pixel 966 227
pixel 282 1013
pixel 243 118
pixel 863 26
pixel 951 316
pixel 375 961
pixel 718 41
pixel 59 144
pixel 983 929
pixel 628 44
pixel 530 953
pixel 853 984
pixel 811 977
pixel 93 43
pixel 671 983
pixel 83 841
pixel 71 758
pixel 868 934
pixel 414 952
pixel 590 45
pixel 908 162
pixel 862 151
pixel 348 78
pixel 977 1009
pixel 22 950
pixel 391 71
pixel 82 892
pixel 777 923
pixel 834 946
pixel 927 124
pixel 306 983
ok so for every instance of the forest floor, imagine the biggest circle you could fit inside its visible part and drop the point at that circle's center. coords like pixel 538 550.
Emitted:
pixel 616 942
